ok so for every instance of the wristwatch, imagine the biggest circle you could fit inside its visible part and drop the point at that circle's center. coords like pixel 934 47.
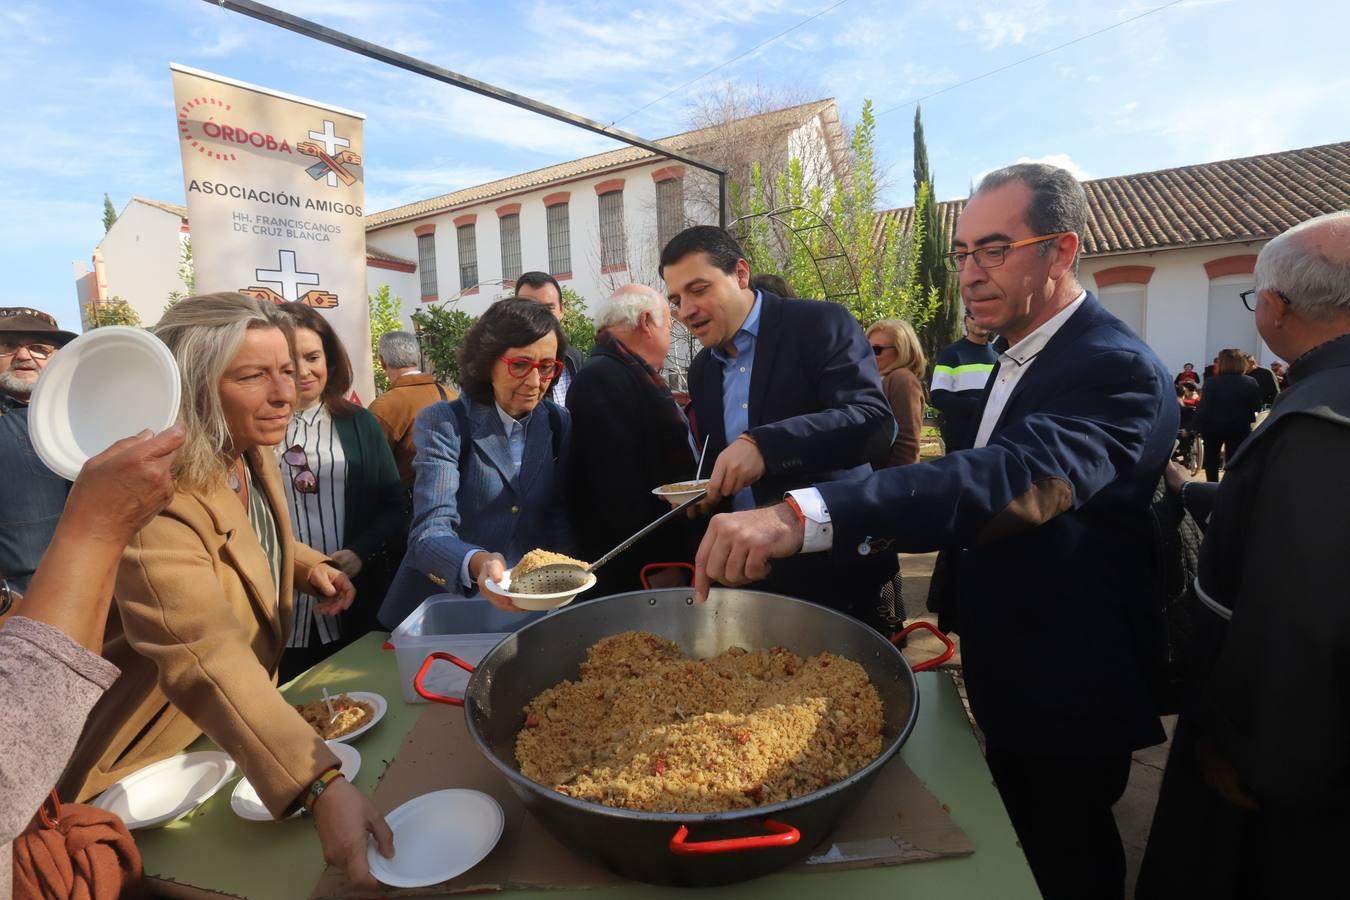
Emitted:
pixel 6 596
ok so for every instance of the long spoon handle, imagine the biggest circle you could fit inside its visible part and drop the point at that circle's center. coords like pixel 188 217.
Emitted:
pixel 646 531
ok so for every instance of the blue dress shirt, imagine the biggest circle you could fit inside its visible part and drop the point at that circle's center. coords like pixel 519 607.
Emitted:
pixel 736 372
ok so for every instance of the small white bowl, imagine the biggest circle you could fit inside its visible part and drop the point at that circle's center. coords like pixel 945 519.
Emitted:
pixel 105 385
pixel 167 790
pixel 438 836
pixel 687 489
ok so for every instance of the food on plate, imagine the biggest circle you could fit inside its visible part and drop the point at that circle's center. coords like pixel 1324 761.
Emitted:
pixel 644 727
pixel 536 559
pixel 683 487
pixel 349 715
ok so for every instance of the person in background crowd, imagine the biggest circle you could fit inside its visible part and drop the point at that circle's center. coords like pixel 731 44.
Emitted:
pixel 787 393
pixel 410 392
pixel 628 438
pixel 204 596
pixel 1281 375
pixel 1209 371
pixel 51 674
pixel 489 465
pixel 1074 437
pixel 1255 800
pixel 1228 406
pixel 959 379
pixel 343 491
pixel 1265 379
pixel 544 289
pixel 1190 394
pixel 31 495
pixel 774 284
pixel 1187 374
pixel 902 366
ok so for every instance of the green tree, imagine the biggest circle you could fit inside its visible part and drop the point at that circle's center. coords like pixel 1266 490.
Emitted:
pixel 932 274
pixel 830 243
pixel 109 214
pixel 186 274
pixel 441 331
pixel 385 316
pixel 578 327
pixel 111 312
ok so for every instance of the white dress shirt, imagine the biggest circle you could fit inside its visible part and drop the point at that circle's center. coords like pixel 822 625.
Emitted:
pixel 1012 365
pixel 317 519
pixel 1014 362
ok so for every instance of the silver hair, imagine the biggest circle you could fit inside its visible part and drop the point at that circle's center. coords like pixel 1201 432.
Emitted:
pixel 1315 284
pixel 204 333
pixel 625 307
pixel 1058 201
pixel 399 350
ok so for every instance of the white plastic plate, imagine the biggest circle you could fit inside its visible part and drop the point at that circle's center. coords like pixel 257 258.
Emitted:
pixel 167 790
pixel 675 498
pixel 105 385
pixel 375 700
pixel 248 805
pixel 438 836
pixel 540 602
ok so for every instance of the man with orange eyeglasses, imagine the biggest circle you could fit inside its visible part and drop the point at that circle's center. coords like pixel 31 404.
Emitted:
pixel 31 495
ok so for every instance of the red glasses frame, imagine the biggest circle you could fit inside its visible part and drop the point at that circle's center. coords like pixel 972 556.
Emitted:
pixel 528 365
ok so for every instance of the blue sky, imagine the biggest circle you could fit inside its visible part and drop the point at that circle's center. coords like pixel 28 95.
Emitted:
pixel 89 108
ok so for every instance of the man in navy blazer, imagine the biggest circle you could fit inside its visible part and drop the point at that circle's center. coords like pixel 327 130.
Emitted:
pixel 1043 523
pixel 787 393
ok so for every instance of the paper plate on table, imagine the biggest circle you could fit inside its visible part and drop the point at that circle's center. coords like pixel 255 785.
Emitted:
pixel 438 836
pixel 167 790
pixel 105 385
pixel 248 805
pixel 378 703
pixel 540 602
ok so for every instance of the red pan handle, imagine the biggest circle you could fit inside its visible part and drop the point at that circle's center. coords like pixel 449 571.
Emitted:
pixel 434 697
pixel 651 567
pixel 935 661
pixel 782 835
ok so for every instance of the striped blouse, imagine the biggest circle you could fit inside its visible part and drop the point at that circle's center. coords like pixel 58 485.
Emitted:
pixel 316 518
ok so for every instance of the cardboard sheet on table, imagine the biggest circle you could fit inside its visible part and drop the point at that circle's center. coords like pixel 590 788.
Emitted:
pixel 899 821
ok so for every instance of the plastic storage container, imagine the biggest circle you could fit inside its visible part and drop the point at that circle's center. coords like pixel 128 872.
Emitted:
pixel 468 627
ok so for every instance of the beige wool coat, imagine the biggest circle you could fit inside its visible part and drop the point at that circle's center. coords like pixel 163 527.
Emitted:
pixel 198 629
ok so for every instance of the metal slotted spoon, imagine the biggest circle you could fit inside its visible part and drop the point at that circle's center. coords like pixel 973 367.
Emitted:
pixel 561 577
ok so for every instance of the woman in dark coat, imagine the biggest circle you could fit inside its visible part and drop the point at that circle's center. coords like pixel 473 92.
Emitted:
pixel 1228 406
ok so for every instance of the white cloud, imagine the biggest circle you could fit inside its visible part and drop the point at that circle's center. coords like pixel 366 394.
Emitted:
pixel 1004 24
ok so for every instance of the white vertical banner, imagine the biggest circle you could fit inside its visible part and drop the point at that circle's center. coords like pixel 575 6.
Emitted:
pixel 275 188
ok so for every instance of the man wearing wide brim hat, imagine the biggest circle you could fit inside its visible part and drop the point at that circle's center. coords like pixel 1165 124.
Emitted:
pixel 31 495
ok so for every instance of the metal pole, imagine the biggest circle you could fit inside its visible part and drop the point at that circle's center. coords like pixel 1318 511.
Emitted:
pixel 318 32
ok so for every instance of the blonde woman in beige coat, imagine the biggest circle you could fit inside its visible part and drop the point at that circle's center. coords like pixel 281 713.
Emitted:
pixel 204 592
pixel 902 365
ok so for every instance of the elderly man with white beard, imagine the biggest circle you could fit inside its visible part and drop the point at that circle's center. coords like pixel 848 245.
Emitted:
pixel 31 495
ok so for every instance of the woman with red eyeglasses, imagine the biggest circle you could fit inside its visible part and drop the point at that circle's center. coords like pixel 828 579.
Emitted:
pixel 488 472
pixel 342 490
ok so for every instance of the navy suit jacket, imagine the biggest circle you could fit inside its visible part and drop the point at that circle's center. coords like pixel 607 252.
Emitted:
pixel 1048 530
pixel 817 411
pixel 477 503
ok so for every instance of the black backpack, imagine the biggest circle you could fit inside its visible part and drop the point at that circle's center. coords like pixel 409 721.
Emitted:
pixel 1171 642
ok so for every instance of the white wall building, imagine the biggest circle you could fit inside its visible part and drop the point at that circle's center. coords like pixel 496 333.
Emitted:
pixel 1170 251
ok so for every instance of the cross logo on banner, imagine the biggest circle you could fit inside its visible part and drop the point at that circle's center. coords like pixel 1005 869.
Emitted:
pixel 286 275
pixel 331 142
pixel 290 280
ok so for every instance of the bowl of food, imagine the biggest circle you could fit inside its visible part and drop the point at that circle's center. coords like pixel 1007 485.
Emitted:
pixel 680 491
pixel 353 713
pixel 544 580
